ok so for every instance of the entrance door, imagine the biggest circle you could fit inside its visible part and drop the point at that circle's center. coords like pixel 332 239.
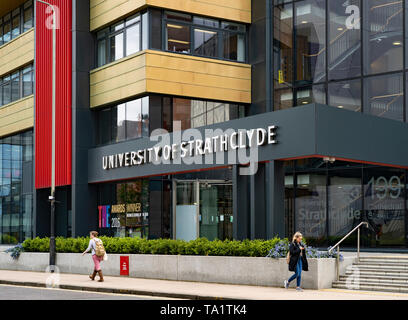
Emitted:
pixel 186 224
pixel 202 209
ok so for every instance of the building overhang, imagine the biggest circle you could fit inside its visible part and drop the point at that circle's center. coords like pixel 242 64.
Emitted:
pixel 304 132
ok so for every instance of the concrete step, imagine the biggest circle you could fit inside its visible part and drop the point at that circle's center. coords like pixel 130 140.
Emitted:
pixel 375 268
pixel 375 280
pixel 383 262
pixel 371 287
pixel 376 276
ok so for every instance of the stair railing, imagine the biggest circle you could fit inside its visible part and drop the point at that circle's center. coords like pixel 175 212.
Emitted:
pixel 337 245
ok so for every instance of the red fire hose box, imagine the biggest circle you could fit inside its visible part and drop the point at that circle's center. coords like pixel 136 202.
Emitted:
pixel 124 266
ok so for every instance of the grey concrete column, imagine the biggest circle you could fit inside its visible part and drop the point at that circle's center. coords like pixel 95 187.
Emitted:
pixel 240 204
pixel 275 199
pixel 84 206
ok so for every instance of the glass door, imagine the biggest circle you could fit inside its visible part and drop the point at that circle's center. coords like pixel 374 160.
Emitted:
pixel 186 209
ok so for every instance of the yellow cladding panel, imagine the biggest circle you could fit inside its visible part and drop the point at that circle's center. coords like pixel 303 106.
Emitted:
pixel 119 80
pixel 171 74
pixel 17 52
pixel 104 12
pixel 17 116
pixel 211 79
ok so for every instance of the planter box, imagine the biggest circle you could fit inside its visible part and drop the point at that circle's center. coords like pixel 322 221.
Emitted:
pixel 229 270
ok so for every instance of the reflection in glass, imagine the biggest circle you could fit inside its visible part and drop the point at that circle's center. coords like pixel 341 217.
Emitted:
pixel 344 41
pixel 283 52
pixel 345 204
pixel 383 36
pixel 314 94
pixel 310 207
pixel 345 95
pixel 205 43
pixel 133 39
pixel 384 206
pixel 234 46
pixel 134 119
pixel 116 45
pixel 310 31
pixel 385 96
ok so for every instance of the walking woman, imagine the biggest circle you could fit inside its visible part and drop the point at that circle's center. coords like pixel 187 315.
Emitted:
pixel 98 252
pixel 297 261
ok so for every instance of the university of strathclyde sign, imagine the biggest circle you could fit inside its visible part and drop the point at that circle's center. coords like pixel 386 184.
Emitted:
pixel 213 142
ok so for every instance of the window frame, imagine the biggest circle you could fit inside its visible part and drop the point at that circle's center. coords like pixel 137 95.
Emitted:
pixel 21 75
pixel 194 25
pixel 8 19
pixel 110 33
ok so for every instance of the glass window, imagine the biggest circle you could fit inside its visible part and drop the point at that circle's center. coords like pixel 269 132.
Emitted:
pixel 1 34
pixel 310 30
pixel 384 96
pixel 119 122
pixel 134 119
pixel 283 56
pixel 206 43
pixel 27 81
pixel 346 95
pixel 7 28
pixel 384 207
pixel 234 46
pixel 132 20
pixel 102 52
pixel 116 47
pixel 133 39
pixel 6 89
pixel 283 98
pixel 313 94
pixel 145 31
pixel 181 113
pixel 15 86
pixel 15 32
pixel 344 41
pixel 145 117
pixel 178 38
pixel 206 22
pixel 310 206
pixel 28 15
pixel 383 36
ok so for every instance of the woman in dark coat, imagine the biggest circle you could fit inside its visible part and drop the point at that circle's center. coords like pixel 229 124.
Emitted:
pixel 297 261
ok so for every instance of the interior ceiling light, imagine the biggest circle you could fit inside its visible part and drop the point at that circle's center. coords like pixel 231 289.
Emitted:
pixel 397 43
pixel 175 26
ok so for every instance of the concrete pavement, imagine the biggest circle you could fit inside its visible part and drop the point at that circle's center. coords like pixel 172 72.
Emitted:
pixel 185 290
pixel 29 293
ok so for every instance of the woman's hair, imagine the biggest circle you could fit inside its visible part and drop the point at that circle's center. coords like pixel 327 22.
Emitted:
pixel 94 233
pixel 296 235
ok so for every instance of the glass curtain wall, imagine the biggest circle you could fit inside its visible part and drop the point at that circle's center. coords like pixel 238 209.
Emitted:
pixel 138 118
pixel 349 55
pixel 16 200
pixel 124 209
pixel 325 201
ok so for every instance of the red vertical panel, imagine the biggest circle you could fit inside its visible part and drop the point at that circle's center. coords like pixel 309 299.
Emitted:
pixel 43 97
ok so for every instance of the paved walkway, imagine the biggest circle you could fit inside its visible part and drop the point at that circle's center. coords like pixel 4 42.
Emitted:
pixel 187 290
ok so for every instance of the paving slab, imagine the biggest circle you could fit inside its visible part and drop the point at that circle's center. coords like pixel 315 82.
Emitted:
pixel 184 289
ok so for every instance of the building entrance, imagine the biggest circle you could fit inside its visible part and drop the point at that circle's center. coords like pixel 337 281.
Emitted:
pixel 202 208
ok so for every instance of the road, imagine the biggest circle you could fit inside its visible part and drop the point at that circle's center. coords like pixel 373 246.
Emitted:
pixel 31 293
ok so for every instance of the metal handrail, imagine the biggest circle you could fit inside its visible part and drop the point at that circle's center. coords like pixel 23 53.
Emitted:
pixel 337 245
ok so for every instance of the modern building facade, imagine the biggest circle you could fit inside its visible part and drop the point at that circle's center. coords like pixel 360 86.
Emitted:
pixel 165 107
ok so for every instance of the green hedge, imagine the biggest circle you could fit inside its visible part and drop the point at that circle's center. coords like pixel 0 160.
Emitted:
pixel 201 247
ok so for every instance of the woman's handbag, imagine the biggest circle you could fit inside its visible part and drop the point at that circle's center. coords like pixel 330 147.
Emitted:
pixel 105 257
